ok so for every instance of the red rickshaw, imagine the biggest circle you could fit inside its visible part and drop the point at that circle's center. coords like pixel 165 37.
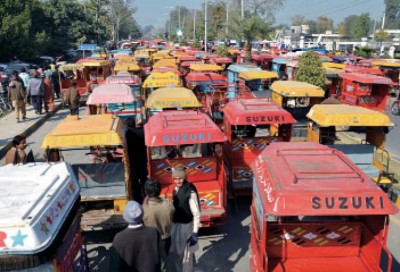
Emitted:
pixel 191 140
pixel 250 125
pixel 314 210
pixel 365 90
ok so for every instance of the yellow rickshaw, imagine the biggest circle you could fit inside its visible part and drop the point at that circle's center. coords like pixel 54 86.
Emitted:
pixel 157 80
pixel 73 71
pixel 99 68
pixel 358 132
pixel 297 98
pixel 171 98
pixel 257 83
pixel 95 146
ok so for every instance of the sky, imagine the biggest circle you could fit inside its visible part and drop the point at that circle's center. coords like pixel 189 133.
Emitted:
pixel 155 12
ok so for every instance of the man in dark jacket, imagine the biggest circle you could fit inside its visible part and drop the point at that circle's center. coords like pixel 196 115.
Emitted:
pixel 137 248
pixel 186 222
pixel 17 96
pixel 72 97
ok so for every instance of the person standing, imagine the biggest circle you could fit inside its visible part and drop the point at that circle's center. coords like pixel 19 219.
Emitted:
pixel 158 213
pixel 17 96
pixel 25 77
pixel 17 155
pixel 186 222
pixel 36 91
pixel 48 97
pixel 137 248
pixel 55 79
pixel 72 97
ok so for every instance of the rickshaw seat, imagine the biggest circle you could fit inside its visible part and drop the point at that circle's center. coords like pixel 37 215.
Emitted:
pixel 362 155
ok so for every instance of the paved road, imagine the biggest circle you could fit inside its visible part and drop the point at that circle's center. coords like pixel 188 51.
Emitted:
pixel 221 249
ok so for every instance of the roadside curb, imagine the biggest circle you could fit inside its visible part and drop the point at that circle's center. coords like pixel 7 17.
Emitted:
pixel 30 129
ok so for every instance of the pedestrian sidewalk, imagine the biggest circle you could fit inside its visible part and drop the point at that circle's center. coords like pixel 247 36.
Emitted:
pixel 10 128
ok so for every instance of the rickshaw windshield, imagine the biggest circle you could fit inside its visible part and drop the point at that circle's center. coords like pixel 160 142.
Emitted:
pixel 177 151
pixel 252 131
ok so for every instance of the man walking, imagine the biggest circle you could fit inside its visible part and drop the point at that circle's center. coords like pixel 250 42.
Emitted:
pixel 17 96
pixel 137 248
pixel 186 222
pixel 158 212
pixel 72 97
pixel 36 92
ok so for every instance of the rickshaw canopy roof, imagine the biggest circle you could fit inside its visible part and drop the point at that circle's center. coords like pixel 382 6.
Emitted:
pixel 87 130
pixel 126 66
pixel 70 67
pixel 186 58
pixel 165 63
pixel 111 93
pixel 121 78
pixel 256 111
pixel 172 97
pixel 364 70
pixel 366 78
pixel 181 127
pixel 156 80
pixel 221 60
pixel 333 65
pixel 93 63
pixel 204 77
pixel 124 58
pixel 205 67
pixel 166 69
pixel 293 88
pixel 281 60
pixel 393 63
pixel 293 179
pixel 253 75
pixel 237 68
pixel 326 115
pixel 333 72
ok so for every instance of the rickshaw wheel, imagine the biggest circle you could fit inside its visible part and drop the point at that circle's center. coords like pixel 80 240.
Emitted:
pixel 395 108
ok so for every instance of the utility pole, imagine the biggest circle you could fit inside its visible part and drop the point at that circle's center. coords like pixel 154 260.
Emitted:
pixel 242 9
pixel 194 25
pixel 383 20
pixel 179 22
pixel 227 19
pixel 205 26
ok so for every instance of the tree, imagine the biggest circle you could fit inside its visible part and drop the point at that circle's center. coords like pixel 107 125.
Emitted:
pixel 14 27
pixel 361 26
pixel 298 20
pixel 344 28
pixel 222 50
pixel 363 51
pixel 310 70
pixel 392 11
pixel 381 36
pixel 324 23
pixel 120 11
pixel 96 10
pixel 250 29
